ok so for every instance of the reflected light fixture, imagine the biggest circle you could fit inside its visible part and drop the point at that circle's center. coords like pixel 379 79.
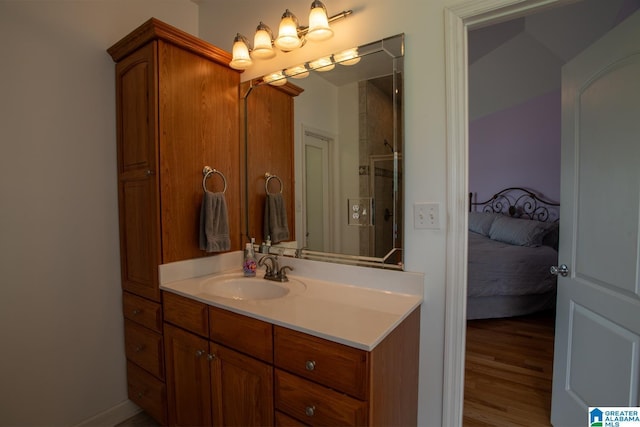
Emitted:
pixel 347 57
pixel 276 79
pixel 263 42
pixel 290 36
pixel 297 72
pixel 241 59
pixel 322 64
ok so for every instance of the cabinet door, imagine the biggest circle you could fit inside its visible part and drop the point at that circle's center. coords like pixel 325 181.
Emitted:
pixel 242 389
pixel 136 79
pixel 188 378
pixel 198 126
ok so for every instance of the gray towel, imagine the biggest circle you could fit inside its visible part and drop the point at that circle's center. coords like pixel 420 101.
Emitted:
pixel 214 223
pixel 275 218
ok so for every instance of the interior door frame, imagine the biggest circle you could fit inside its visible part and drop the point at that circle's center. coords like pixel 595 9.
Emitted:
pixel 459 19
pixel 308 132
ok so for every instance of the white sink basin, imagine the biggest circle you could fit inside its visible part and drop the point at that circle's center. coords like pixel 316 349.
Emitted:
pixel 237 287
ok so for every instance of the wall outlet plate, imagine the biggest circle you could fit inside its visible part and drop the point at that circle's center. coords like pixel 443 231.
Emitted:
pixel 360 211
pixel 426 215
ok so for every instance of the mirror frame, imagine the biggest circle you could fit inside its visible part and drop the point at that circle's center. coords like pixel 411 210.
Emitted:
pixel 394 47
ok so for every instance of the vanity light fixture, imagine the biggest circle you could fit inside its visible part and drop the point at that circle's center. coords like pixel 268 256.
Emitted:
pixel 288 39
pixel 241 59
pixel 290 36
pixel 263 42
pixel 319 28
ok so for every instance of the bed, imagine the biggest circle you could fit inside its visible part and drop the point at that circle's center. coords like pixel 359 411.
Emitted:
pixel 513 240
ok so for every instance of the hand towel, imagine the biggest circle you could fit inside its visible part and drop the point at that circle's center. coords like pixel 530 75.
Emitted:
pixel 275 218
pixel 214 223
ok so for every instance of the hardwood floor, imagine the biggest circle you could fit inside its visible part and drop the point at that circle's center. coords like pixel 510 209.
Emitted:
pixel 508 371
pixel 139 420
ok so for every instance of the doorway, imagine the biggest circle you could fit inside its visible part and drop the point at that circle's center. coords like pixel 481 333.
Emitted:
pixel 458 21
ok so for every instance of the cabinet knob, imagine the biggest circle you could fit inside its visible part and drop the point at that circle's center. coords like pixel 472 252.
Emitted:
pixel 211 357
pixel 200 353
pixel 139 348
pixel 310 365
pixel 149 172
pixel 310 411
pixel 136 311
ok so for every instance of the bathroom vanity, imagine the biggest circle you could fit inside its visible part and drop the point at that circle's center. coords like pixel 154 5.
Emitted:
pixel 336 345
pixel 325 353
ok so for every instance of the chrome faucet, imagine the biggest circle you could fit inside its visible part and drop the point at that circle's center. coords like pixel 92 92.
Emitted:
pixel 273 270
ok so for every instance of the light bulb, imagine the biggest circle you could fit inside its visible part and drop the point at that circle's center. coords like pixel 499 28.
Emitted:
pixel 241 59
pixel 288 33
pixel 318 23
pixel 262 47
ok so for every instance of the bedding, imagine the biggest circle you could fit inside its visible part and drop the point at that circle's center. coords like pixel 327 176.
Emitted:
pixel 508 265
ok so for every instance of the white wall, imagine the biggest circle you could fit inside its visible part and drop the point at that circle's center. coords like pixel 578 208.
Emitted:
pixel 60 318
pixel 425 151
pixel 62 357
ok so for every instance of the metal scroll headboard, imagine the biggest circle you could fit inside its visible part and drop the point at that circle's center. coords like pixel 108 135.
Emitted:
pixel 520 203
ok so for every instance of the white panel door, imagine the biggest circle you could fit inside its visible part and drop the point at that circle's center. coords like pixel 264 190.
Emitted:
pixel 316 184
pixel 597 342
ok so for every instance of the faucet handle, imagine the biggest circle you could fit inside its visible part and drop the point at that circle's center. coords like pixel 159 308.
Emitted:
pixel 282 273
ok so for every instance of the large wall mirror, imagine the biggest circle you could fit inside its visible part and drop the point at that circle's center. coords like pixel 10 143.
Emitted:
pixel 347 164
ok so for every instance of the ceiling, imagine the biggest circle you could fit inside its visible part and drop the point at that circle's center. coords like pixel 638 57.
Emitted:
pixel 565 31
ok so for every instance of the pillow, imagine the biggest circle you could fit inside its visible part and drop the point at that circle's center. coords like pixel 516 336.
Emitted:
pixel 552 235
pixel 519 232
pixel 480 222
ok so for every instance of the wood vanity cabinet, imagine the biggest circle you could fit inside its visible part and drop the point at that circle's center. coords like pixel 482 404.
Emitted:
pixel 216 376
pixel 243 371
pixel 176 111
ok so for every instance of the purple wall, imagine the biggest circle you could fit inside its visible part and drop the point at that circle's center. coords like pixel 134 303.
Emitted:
pixel 517 147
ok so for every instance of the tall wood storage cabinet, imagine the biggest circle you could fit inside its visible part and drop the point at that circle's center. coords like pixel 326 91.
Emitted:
pixel 177 111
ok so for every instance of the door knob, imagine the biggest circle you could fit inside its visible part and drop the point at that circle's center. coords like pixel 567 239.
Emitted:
pixel 561 270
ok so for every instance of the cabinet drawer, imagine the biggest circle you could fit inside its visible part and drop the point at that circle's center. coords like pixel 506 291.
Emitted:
pixel 242 333
pixel 144 348
pixel 186 313
pixel 147 392
pixel 284 420
pixel 143 311
pixel 335 365
pixel 317 405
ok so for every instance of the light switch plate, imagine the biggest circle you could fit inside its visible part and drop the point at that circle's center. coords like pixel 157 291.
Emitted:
pixel 426 215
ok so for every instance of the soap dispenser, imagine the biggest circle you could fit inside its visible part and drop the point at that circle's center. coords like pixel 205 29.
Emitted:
pixel 249 264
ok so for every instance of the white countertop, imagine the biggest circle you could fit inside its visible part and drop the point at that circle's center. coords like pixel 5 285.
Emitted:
pixel 351 314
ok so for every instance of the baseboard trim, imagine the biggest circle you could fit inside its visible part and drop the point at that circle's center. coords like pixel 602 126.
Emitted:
pixel 112 416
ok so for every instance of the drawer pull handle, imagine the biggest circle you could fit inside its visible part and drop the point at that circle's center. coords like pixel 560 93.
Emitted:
pixel 310 365
pixel 310 411
pixel 136 311
pixel 199 353
pixel 139 348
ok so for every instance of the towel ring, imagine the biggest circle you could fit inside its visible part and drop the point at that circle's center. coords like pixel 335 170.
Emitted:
pixel 207 172
pixel 268 178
